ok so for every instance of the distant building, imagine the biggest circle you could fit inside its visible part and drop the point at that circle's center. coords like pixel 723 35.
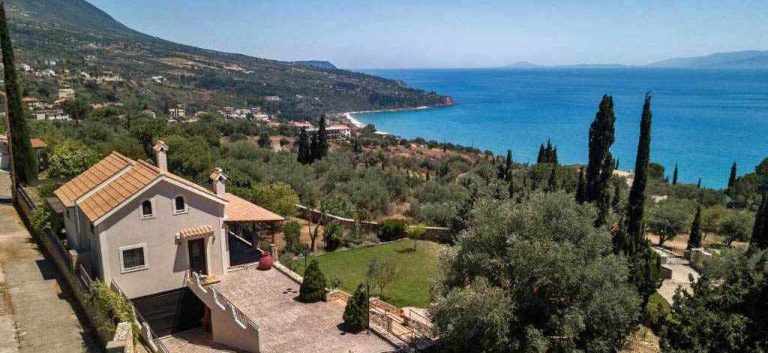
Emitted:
pixel 50 114
pixel 47 73
pixel 335 132
pixel 301 124
pixel 158 79
pixel 66 93
pixel 109 76
pixel 38 146
pixel 26 68
pixel 177 113
pixel 272 99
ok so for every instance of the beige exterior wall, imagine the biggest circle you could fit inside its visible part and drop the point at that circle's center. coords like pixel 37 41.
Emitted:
pixel 166 258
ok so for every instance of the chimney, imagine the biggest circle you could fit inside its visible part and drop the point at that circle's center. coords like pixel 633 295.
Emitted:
pixel 160 155
pixel 217 180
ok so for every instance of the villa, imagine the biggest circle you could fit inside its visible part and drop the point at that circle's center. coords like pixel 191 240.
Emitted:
pixel 335 132
pixel 183 254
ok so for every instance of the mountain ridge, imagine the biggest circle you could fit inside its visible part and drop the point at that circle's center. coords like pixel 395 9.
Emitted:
pixel 80 37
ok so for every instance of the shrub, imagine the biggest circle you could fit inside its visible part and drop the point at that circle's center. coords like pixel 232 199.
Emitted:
pixel 356 312
pixel 313 287
pixel 392 229
pixel 333 236
pixel 69 159
pixel 657 311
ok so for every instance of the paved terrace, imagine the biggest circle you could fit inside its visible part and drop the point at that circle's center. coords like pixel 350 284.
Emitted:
pixel 289 326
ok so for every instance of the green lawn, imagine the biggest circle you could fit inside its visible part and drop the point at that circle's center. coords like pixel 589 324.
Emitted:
pixel 415 270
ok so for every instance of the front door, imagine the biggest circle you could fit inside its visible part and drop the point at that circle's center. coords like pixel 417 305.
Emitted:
pixel 197 256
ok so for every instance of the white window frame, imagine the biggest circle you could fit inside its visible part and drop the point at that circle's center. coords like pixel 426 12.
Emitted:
pixel 186 205
pixel 143 247
pixel 141 209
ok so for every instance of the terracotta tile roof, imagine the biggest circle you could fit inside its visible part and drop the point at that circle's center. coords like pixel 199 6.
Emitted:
pixel 195 232
pixel 240 210
pixel 38 143
pixel 91 178
pixel 118 190
pixel 136 175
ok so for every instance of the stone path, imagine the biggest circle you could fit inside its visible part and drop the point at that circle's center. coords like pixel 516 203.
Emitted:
pixel 36 316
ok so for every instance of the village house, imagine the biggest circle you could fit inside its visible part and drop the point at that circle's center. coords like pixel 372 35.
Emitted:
pixel 66 94
pixel 335 132
pixel 38 146
pixel 50 114
pixel 140 228
pixel 301 124
pixel 177 113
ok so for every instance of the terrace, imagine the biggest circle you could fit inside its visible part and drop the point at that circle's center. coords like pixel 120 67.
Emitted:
pixel 287 325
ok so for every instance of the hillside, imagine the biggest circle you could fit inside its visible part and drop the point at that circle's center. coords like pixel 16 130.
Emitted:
pixel 79 37
pixel 751 59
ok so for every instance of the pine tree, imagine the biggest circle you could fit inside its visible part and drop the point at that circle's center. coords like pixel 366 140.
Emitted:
pixel 674 176
pixel 581 188
pixel 313 286
pixel 322 140
pixel 636 201
pixel 694 238
pixel 356 311
pixel 601 137
pixel 24 163
pixel 759 239
pixel 305 154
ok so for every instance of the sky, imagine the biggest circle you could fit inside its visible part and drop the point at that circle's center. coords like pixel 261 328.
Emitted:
pixel 454 33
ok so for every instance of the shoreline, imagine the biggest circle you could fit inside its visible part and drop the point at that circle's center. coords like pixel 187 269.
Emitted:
pixel 350 116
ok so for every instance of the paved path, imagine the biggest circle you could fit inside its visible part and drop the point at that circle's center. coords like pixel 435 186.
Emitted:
pixel 680 278
pixel 35 314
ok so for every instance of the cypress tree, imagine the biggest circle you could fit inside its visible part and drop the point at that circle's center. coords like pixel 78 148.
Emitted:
pixel 732 178
pixel 24 163
pixel 554 155
pixel 674 176
pixel 581 188
pixel 601 137
pixel 322 139
pixel 356 311
pixel 305 154
pixel 636 201
pixel 511 188
pixel 314 148
pixel 698 184
pixel 616 202
pixel 694 238
pixel 759 239
pixel 540 157
pixel 508 166
pixel 552 182
pixel 313 286
pixel 357 148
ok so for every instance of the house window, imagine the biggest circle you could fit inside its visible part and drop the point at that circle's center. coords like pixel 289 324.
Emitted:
pixel 132 258
pixel 146 209
pixel 179 205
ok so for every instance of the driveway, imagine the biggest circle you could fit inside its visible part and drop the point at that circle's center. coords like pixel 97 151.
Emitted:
pixel 36 315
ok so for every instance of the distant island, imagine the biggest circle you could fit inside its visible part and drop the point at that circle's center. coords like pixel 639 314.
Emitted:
pixel 748 59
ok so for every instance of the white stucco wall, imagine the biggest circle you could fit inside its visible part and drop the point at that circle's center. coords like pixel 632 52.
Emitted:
pixel 167 258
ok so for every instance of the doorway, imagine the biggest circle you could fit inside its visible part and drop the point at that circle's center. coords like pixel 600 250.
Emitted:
pixel 197 261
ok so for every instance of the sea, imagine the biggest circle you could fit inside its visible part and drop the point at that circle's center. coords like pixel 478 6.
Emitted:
pixel 703 120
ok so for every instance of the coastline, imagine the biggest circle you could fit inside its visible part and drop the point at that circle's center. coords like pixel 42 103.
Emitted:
pixel 350 116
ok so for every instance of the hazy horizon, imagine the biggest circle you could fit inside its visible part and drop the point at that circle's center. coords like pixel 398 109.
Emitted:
pixel 454 34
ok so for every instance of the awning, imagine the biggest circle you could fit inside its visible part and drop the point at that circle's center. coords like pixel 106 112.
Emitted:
pixel 192 233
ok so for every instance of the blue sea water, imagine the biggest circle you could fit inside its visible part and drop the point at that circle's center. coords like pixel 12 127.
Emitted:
pixel 703 120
